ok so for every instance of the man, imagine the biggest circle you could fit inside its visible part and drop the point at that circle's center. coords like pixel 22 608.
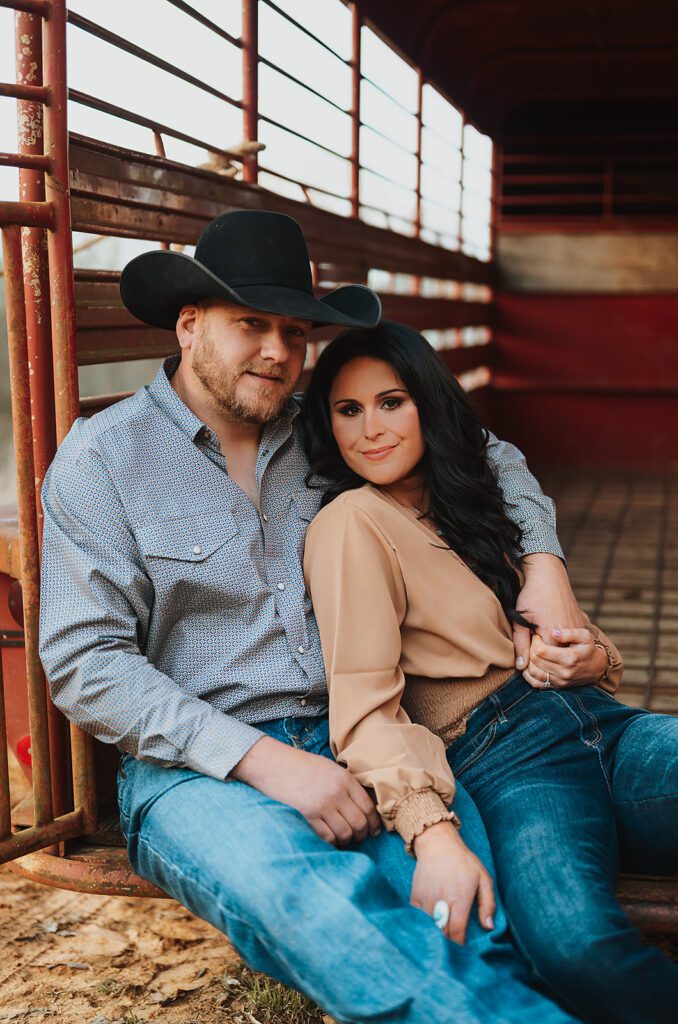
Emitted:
pixel 175 625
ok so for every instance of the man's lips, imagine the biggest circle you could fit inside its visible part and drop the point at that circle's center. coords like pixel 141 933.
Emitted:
pixel 375 454
pixel 265 376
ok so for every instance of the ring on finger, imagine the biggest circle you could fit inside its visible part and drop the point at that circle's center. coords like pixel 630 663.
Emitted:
pixel 441 913
pixel 547 681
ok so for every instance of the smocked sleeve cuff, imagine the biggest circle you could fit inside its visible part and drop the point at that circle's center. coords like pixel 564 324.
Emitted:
pixel 417 811
pixel 615 664
pixel 220 745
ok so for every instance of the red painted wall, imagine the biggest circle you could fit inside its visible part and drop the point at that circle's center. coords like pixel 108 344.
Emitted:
pixel 589 379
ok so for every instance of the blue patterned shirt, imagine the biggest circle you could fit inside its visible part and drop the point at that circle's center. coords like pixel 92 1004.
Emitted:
pixel 173 611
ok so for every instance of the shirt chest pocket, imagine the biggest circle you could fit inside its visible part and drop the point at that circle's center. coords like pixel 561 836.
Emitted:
pixel 193 553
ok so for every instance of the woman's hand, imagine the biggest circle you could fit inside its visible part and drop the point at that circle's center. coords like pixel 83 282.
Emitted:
pixel 447 870
pixel 571 660
pixel 547 599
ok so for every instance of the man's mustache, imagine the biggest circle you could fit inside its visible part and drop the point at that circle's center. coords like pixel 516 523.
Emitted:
pixel 281 376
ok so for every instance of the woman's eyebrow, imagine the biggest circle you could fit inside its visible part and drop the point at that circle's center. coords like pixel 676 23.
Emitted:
pixel 390 391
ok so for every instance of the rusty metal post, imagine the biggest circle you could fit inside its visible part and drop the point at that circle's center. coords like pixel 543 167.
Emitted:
pixel 5 803
pixel 64 347
pixel 250 84
pixel 28 524
pixel 59 240
pixel 420 119
pixel 34 245
pixel 460 230
pixel 28 44
pixel 356 25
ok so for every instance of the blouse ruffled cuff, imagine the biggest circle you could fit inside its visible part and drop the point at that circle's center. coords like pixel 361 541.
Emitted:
pixel 418 811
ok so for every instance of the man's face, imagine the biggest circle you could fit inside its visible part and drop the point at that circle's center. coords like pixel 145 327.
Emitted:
pixel 248 362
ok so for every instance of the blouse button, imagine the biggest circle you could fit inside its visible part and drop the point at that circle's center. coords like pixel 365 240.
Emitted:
pixel 197 550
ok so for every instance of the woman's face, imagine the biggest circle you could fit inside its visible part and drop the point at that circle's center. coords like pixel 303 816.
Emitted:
pixel 375 422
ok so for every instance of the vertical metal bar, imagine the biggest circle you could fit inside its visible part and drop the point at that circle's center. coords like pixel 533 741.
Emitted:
pixel 28 526
pixel 160 151
pixel 5 802
pixel 356 26
pixel 420 115
pixel 34 245
pixel 28 46
pixel 60 251
pixel 497 195
pixel 461 185
pixel 250 84
pixel 59 240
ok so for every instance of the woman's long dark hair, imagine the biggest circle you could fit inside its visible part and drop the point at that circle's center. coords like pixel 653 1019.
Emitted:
pixel 465 501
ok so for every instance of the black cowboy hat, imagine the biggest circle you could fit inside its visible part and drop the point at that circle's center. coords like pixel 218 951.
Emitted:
pixel 252 258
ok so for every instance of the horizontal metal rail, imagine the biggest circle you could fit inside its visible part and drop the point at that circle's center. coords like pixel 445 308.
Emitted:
pixel 29 215
pixel 39 7
pixel 150 58
pixel 306 31
pixel 32 161
pixel 19 91
pixel 212 26
pixel 146 122
pixel 27 840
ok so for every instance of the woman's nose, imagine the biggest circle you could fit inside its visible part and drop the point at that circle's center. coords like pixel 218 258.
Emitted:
pixel 373 424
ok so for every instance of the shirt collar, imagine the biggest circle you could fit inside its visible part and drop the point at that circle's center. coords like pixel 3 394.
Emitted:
pixel 164 395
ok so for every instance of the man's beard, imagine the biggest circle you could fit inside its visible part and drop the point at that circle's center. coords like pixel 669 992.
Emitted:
pixel 221 384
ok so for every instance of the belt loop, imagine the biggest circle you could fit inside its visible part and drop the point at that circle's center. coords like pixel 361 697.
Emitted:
pixel 501 717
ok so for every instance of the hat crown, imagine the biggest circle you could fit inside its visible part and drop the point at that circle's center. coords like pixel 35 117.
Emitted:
pixel 256 247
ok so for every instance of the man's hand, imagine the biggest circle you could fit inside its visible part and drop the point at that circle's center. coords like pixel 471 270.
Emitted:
pixel 447 870
pixel 572 659
pixel 547 599
pixel 335 805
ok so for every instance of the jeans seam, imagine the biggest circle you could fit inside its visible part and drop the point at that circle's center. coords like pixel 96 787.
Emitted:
pixel 480 750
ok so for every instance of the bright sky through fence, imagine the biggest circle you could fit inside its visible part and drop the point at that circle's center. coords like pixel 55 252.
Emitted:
pixel 456 200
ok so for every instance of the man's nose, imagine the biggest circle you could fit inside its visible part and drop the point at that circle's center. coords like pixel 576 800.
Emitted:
pixel 274 346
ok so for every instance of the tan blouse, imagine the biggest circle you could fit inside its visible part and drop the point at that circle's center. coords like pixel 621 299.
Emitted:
pixel 412 641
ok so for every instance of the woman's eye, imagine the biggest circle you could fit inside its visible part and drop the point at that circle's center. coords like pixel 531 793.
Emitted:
pixel 392 403
pixel 349 410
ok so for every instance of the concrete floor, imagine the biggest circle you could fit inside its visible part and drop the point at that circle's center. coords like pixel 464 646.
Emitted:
pixel 620 534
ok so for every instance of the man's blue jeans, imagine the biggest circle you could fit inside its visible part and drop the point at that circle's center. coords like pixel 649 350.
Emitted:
pixel 568 783
pixel 323 920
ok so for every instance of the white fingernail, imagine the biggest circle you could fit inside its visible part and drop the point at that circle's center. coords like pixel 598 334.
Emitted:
pixel 489 923
pixel 520 662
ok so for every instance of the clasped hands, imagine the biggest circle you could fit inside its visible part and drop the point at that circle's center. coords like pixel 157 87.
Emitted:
pixel 563 651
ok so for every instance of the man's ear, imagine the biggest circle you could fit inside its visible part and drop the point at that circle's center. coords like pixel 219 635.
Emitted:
pixel 186 323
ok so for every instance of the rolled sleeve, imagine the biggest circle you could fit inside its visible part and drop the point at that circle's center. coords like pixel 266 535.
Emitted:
pixel 526 503
pixel 96 600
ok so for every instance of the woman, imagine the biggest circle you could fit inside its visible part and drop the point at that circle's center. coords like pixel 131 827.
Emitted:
pixel 412 569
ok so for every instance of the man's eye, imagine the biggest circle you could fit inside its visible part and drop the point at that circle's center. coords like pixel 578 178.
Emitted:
pixel 252 321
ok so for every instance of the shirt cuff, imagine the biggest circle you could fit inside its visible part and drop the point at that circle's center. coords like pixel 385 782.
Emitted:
pixel 220 744
pixel 417 811
pixel 538 541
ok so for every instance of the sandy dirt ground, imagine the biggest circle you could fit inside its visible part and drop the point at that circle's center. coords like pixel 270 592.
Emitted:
pixel 70 958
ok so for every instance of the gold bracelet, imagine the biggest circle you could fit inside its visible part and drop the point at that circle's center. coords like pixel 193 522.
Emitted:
pixel 610 660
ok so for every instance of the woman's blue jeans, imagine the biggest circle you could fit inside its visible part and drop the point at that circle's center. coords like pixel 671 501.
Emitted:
pixel 569 783
pixel 323 920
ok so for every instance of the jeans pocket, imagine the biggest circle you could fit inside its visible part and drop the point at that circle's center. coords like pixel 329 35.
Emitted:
pixel 125 781
pixel 478 746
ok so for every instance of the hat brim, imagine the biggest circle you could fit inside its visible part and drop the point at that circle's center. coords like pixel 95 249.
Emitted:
pixel 155 285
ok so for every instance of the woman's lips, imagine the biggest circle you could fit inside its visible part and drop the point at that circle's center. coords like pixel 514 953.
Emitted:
pixel 375 454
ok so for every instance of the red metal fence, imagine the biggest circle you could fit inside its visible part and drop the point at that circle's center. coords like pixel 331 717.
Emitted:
pixel 59 320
